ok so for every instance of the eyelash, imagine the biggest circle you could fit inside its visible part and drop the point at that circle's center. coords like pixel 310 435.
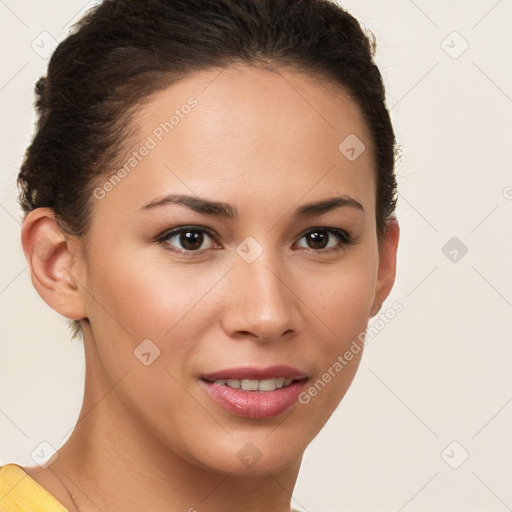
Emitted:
pixel 345 238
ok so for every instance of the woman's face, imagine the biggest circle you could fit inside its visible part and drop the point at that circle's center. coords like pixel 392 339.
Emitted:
pixel 209 261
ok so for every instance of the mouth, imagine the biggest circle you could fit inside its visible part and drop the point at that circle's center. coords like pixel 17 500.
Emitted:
pixel 255 393
pixel 254 384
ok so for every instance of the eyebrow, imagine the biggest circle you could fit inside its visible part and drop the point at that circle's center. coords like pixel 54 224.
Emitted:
pixel 221 209
pixel 194 203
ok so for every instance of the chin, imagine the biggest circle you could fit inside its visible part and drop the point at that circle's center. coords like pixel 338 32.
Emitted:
pixel 253 455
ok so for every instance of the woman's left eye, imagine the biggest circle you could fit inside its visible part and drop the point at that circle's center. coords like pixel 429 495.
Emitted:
pixel 325 239
pixel 188 239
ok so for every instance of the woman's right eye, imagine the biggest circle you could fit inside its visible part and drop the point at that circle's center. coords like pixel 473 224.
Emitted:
pixel 188 239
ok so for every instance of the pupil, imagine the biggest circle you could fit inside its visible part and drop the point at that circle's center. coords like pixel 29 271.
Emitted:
pixel 191 240
pixel 318 240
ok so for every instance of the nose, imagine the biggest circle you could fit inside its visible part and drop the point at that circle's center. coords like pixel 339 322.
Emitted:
pixel 260 302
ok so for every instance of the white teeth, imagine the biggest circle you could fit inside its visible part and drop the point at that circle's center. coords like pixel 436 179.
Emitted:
pixel 267 385
pixel 249 385
pixel 255 385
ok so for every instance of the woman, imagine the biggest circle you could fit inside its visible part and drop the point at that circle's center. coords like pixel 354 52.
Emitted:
pixel 210 198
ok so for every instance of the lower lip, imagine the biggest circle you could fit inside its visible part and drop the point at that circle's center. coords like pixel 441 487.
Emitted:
pixel 254 404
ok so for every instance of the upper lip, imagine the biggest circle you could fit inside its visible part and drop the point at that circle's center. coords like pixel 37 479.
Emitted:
pixel 247 372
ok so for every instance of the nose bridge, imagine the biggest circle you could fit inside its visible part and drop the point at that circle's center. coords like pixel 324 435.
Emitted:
pixel 261 302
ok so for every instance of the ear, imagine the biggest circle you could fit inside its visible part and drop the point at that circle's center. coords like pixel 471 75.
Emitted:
pixel 387 265
pixel 55 263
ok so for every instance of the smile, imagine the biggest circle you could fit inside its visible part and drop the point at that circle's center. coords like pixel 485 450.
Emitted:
pixel 255 393
pixel 255 385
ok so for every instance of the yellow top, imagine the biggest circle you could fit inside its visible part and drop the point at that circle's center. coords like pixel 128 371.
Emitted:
pixel 20 493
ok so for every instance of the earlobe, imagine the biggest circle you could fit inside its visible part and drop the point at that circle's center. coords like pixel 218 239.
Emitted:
pixel 52 259
pixel 375 308
pixel 387 265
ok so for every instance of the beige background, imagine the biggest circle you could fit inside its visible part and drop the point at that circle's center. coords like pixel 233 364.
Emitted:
pixel 439 372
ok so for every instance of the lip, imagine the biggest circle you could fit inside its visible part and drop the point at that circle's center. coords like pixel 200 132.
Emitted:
pixel 248 372
pixel 255 404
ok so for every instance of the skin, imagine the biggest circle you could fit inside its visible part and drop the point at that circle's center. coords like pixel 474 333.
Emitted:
pixel 149 437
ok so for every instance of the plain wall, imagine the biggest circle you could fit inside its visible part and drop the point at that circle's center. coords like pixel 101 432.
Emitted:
pixel 439 372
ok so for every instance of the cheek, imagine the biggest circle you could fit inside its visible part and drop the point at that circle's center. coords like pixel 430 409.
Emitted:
pixel 341 300
pixel 145 297
pixel 343 297
pixel 138 299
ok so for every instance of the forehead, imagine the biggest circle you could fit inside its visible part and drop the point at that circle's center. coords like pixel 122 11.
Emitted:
pixel 247 133
pixel 266 100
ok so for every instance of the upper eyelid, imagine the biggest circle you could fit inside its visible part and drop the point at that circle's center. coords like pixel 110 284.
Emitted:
pixel 161 239
pixel 341 233
pixel 180 229
pixel 330 229
pixel 211 233
pixel 345 237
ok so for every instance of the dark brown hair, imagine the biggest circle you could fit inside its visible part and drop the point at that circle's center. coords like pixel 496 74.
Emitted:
pixel 123 51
